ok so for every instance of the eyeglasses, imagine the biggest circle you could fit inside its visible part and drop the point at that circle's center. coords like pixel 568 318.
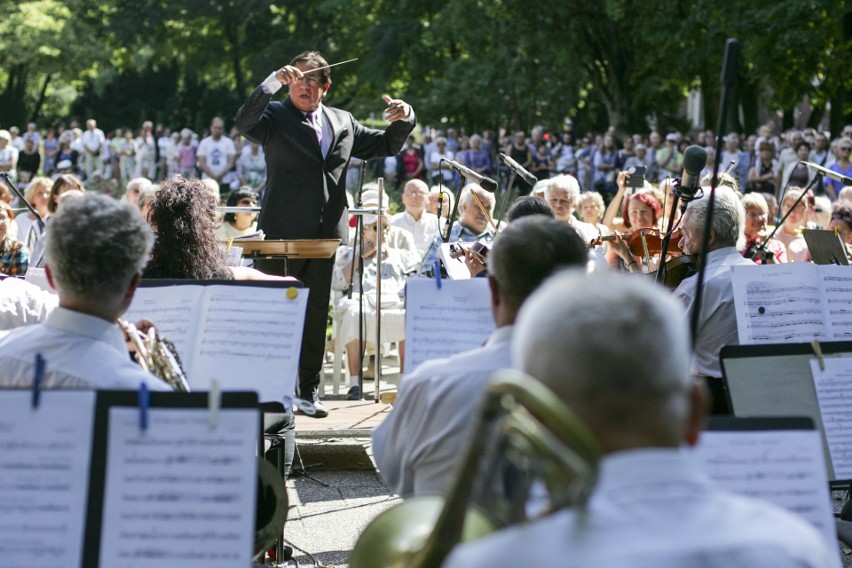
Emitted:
pixel 312 81
pixel 247 202
pixel 844 149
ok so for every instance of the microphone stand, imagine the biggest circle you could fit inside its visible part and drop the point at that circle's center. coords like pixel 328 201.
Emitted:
pixel 664 246
pixel 455 210
pixel 506 196
pixel 359 238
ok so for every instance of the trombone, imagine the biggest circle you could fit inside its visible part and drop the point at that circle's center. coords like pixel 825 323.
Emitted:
pixel 520 421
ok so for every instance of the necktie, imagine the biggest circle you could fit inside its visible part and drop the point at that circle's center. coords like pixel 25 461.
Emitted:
pixel 312 118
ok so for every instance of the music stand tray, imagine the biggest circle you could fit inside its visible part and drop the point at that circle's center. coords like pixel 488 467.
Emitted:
pixel 825 247
pixel 298 248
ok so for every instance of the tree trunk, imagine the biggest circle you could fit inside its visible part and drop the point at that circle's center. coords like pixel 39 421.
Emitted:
pixel 41 97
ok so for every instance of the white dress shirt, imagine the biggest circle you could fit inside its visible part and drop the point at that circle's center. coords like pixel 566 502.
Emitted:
pixel 717 324
pixel 80 351
pixel 420 443
pixel 423 230
pixel 92 140
pixel 654 509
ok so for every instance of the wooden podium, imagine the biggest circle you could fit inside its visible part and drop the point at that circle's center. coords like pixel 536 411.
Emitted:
pixel 284 250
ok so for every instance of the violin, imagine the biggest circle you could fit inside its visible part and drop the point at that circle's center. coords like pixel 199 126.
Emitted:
pixel 477 249
pixel 641 241
pixel 680 268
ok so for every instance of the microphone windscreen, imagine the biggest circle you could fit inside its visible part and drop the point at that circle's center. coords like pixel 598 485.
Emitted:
pixel 488 184
pixel 694 160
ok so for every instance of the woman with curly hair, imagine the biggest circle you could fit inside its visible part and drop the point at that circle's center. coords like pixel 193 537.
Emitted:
pixel 183 215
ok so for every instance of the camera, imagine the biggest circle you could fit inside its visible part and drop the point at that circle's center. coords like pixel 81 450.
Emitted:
pixel 636 178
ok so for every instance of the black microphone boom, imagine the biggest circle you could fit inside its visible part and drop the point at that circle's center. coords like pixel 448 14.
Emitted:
pixel 518 169
pixel 485 183
pixel 694 160
pixel 837 176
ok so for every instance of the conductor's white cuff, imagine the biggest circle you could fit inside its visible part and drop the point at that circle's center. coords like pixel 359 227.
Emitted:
pixel 271 84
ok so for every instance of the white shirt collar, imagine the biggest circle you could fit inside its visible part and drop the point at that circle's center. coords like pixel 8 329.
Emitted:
pixel 63 319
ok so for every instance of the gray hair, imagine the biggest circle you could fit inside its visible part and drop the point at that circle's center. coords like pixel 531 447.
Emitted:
pixel 95 245
pixel 586 338
pixel 485 197
pixel 728 215
pixel 564 182
pixel 594 197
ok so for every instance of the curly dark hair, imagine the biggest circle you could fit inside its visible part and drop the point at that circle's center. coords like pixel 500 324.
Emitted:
pixel 183 215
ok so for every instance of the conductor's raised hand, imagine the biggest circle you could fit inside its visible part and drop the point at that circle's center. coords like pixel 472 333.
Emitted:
pixel 397 109
pixel 288 74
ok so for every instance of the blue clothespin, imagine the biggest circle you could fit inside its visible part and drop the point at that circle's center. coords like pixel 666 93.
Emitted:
pixel 437 269
pixel 144 403
pixel 38 379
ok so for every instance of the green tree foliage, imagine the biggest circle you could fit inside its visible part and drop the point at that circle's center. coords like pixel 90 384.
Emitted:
pixel 471 63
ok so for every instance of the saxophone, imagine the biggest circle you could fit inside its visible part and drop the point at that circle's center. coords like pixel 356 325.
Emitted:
pixel 156 355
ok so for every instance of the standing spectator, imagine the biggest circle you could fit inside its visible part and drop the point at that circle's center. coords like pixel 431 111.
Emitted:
pixel 127 158
pixel 32 134
pixel 51 150
pixel 115 146
pixel 440 170
pixel 762 175
pixel 654 145
pixel 146 152
pixel 605 168
pixel 410 163
pixel 186 154
pixel 794 172
pixel 565 161
pixel 16 141
pixel 477 158
pixel 669 160
pixel 216 153
pixel 733 154
pixel 28 161
pixel 251 167
pixel 165 145
pixel 520 151
pixel 842 166
pixel 8 155
pixel 13 253
pixel 93 140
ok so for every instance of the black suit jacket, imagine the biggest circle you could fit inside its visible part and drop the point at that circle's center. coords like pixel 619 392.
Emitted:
pixel 306 194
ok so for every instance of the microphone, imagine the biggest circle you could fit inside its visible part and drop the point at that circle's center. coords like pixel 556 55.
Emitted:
pixel 694 160
pixel 485 183
pixel 828 173
pixel 518 169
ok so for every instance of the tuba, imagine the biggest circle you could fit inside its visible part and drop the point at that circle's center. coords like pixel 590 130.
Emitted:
pixel 523 429
pixel 156 355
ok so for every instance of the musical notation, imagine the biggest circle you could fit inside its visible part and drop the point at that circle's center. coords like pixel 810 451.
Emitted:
pixel 248 338
pixel 785 467
pixel 442 322
pixel 834 393
pixel 44 477
pixel 179 487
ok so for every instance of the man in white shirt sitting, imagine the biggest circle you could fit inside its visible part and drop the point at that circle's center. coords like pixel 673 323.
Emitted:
pixel 415 219
pixel 586 338
pixel 95 253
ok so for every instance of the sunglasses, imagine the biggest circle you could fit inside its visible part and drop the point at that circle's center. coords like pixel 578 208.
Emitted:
pixel 247 202
pixel 844 149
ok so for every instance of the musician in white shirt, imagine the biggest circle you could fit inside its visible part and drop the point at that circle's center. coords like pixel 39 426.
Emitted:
pixel 415 219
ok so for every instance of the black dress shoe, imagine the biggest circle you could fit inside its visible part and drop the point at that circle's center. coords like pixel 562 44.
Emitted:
pixel 354 393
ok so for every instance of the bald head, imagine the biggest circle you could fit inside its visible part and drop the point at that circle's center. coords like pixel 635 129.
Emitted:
pixel 615 349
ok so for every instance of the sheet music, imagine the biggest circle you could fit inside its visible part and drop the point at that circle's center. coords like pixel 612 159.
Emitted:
pixel 180 493
pixel 44 477
pixel 250 335
pixel 834 394
pixel 456 268
pixel 837 285
pixel 785 467
pixel 38 277
pixel 171 313
pixel 246 337
pixel 441 323
pixel 778 303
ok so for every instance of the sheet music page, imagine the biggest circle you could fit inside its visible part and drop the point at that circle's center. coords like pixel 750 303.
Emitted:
pixel 44 477
pixel 456 268
pixel 441 323
pixel 38 277
pixel 172 310
pixel 785 467
pixel 837 285
pixel 779 303
pixel 250 338
pixel 180 493
pixel 834 394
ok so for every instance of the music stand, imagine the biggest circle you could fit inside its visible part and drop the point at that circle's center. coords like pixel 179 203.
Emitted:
pixel 825 247
pixel 287 249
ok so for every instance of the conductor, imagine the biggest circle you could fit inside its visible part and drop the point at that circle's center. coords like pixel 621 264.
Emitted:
pixel 308 147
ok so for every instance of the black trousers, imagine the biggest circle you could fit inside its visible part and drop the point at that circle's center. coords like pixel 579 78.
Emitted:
pixel 315 274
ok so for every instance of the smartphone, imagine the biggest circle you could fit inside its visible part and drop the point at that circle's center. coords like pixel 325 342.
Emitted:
pixel 637 176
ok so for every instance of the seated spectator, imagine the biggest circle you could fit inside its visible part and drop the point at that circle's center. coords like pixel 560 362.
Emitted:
pixel 96 249
pixel 422 225
pixel 239 224
pixel 14 257
pixel 651 504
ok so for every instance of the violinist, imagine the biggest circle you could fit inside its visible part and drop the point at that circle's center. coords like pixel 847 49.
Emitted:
pixel 641 211
pixel 790 233
pixel 756 210
pixel 476 209
pixel 841 223
pixel 717 321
